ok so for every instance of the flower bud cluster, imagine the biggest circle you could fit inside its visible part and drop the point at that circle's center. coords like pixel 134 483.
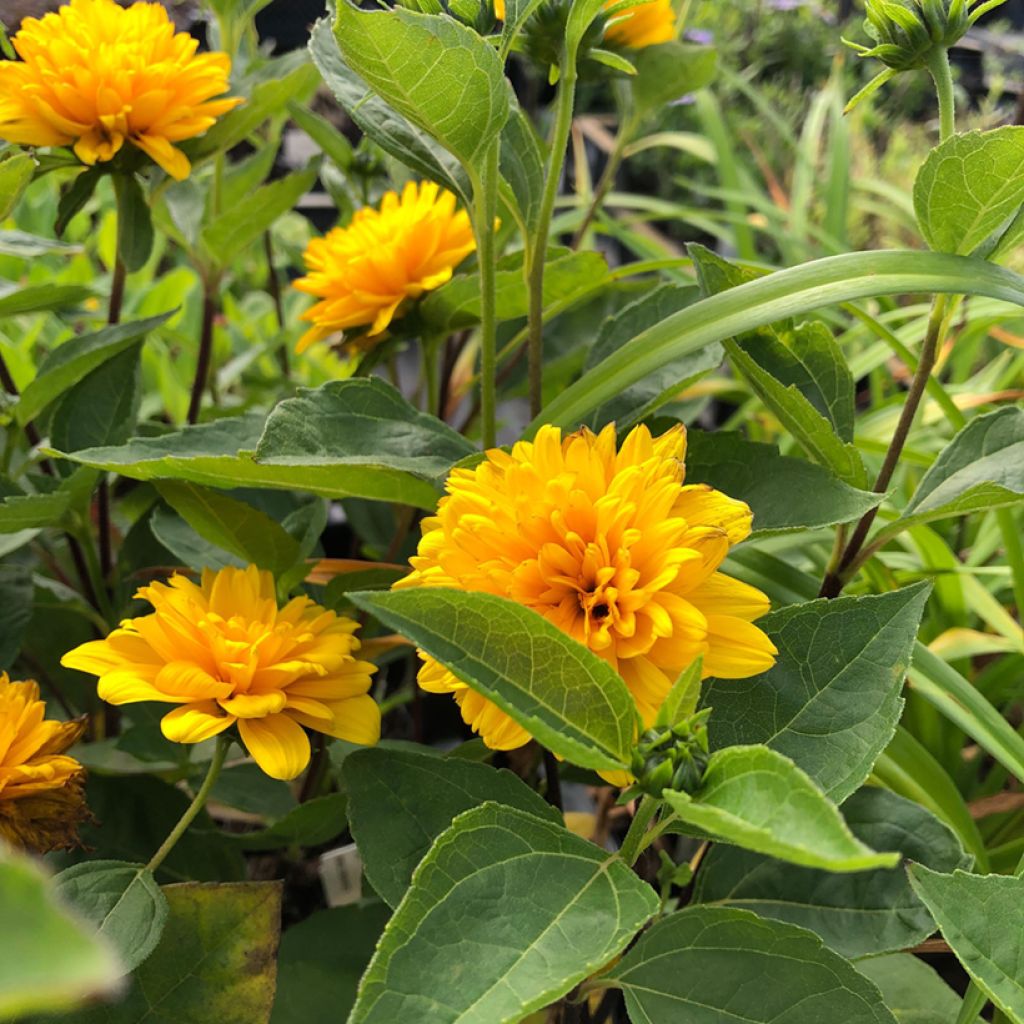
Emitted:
pixel 672 757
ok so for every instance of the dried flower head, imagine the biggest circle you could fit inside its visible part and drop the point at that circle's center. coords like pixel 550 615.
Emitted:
pixel 225 652
pixel 609 545
pixel 363 273
pixel 42 801
pixel 96 76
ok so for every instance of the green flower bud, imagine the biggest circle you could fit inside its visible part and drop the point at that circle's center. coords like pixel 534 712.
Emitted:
pixel 672 758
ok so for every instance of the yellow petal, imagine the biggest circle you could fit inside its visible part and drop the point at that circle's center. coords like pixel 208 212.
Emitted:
pixel 737 649
pixel 194 723
pixel 356 720
pixel 701 505
pixel 279 745
pixel 722 595
pixel 255 705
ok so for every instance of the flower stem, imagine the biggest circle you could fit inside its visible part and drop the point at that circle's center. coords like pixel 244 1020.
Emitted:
pixel 205 350
pixel 938 65
pixel 633 844
pixel 220 752
pixel 485 210
pixel 611 167
pixel 537 251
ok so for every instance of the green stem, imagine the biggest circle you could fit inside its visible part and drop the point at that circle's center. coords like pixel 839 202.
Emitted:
pixel 537 251
pixel 625 135
pixel 485 209
pixel 938 65
pixel 974 1002
pixel 429 353
pixel 633 844
pixel 216 763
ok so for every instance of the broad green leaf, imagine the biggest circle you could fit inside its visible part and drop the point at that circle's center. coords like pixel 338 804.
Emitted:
pixel 785 293
pixel 564 695
pixel 215 961
pixel 186 544
pixel 362 576
pixel 968 187
pixel 315 822
pixel 332 143
pixel 48 959
pixel 521 163
pixel 15 173
pixel 122 901
pixel 401 801
pixel 21 512
pixel 982 919
pixel 16 593
pixel 446 956
pixel 228 234
pixel 832 700
pixel 321 961
pixel 713 965
pixel 669 71
pixel 856 914
pixel 385 126
pixel 457 303
pixel 912 990
pixel 36 298
pixel 134 222
pixel 70 362
pixel 244 531
pixel 981 468
pixel 433 70
pixel 366 438
pixel 102 407
pixel 645 397
pixel 758 799
pixel 757 474
pixel 683 698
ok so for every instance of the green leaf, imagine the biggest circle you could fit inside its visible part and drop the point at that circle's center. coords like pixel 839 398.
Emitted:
pixel 102 407
pixel 713 965
pixel 433 70
pixel 832 700
pixel 683 698
pixel 70 362
pixel 757 474
pixel 74 196
pixel 521 163
pixel 445 956
pixel 401 801
pixel 564 695
pixel 981 468
pixel 332 143
pixel 227 235
pixel 366 437
pixel 758 799
pixel 639 401
pixel 310 824
pixel 22 512
pixel 378 121
pixel 25 246
pixel 321 961
pixel 122 901
pixel 237 527
pixel 37 298
pixel 785 293
pixel 134 222
pixel 982 919
pixel 214 962
pixel 15 174
pixel 912 990
pixel 48 959
pixel 857 914
pixel 16 592
pixel 669 71
pixel 457 303
pixel 968 187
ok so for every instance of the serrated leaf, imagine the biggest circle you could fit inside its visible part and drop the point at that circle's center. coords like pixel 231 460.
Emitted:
pixel 401 801
pixel 714 965
pixel 122 901
pixel 858 914
pixel 832 700
pixel 669 71
pixel 444 956
pixel 767 481
pixel 70 362
pixel 23 512
pixel 563 694
pixel 756 798
pixel 436 72
pixel 968 186
pixel 912 990
pixel 982 919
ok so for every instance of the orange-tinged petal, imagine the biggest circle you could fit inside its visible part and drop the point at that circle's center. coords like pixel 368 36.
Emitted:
pixel 278 745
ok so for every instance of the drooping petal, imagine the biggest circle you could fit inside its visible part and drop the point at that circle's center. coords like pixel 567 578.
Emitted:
pixel 278 744
pixel 194 723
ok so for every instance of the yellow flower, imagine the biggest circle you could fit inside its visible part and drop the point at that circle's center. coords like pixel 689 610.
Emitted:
pixel 41 788
pixel 226 653
pixel 364 272
pixel 642 25
pixel 612 547
pixel 97 75
pixel 499 9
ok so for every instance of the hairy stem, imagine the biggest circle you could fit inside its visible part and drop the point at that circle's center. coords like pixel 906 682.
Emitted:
pixel 938 65
pixel 633 844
